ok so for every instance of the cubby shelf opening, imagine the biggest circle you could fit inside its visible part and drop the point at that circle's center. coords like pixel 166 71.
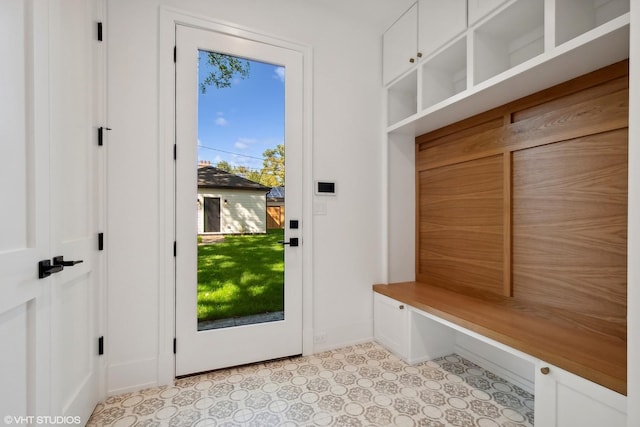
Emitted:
pixel 510 38
pixel 445 74
pixel 576 17
pixel 402 101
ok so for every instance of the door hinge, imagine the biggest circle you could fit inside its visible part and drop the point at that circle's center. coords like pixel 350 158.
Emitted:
pixel 175 249
pixel 175 151
pixel 101 130
pixel 99 31
pixel 100 241
pixel 174 346
pixel 175 54
pixel 101 346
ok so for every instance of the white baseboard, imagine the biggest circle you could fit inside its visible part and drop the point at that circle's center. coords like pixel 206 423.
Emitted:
pixel 132 376
pixel 419 360
pixel 352 334
pixel 319 348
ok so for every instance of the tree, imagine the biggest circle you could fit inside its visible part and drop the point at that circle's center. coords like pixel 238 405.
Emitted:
pixel 271 174
pixel 224 165
pixel 243 171
pixel 273 166
pixel 223 69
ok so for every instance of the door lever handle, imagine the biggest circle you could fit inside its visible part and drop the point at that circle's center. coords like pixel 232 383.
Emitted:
pixel 45 269
pixel 293 242
pixel 59 261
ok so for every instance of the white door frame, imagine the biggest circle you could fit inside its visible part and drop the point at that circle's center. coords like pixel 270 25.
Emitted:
pixel 169 18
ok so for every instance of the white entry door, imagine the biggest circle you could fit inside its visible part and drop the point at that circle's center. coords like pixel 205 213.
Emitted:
pixel 47 315
pixel 198 349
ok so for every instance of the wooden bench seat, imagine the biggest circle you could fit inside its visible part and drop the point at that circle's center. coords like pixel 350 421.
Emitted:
pixel 596 357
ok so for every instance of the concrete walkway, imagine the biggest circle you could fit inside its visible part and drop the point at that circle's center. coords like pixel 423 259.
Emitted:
pixel 240 321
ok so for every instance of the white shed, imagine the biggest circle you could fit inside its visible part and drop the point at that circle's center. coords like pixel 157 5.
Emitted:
pixel 230 204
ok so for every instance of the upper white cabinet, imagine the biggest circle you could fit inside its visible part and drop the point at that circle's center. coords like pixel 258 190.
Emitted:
pixel 438 22
pixel 481 8
pixel 400 45
pixel 428 25
pixel 498 51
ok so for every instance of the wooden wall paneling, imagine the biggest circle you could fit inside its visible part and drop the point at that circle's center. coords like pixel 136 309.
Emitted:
pixel 524 209
pixel 507 285
pixel 489 119
pixel 569 230
pixel 580 84
pixel 460 225
pixel 470 143
pixel 602 114
pixel 611 86
pixel 599 108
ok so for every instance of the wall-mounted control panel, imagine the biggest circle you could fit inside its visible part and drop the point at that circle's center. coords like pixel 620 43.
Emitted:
pixel 325 188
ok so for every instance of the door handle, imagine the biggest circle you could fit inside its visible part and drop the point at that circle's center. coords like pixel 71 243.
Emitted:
pixel 293 242
pixel 59 260
pixel 45 269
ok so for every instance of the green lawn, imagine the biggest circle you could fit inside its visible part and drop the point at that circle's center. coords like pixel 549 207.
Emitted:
pixel 240 276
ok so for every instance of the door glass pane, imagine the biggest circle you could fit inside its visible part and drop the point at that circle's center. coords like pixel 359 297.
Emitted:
pixel 240 193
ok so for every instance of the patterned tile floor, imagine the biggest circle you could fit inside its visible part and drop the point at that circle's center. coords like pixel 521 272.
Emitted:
pixel 362 385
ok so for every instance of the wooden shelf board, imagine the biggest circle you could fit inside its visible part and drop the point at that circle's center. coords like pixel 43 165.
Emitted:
pixel 599 358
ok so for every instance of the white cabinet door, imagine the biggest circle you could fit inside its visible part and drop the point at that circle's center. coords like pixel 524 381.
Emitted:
pixel 567 400
pixel 439 22
pixel 400 45
pixel 390 324
pixel 480 8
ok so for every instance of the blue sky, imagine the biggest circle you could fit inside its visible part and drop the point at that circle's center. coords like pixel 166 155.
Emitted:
pixel 244 119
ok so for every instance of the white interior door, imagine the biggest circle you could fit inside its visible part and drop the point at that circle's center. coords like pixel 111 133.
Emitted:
pixel 24 224
pixel 74 345
pixel 47 324
pixel 204 350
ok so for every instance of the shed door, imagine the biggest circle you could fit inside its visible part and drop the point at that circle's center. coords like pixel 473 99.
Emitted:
pixel 212 214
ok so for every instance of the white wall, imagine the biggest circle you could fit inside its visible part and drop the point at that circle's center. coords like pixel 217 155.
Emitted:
pixel 347 148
